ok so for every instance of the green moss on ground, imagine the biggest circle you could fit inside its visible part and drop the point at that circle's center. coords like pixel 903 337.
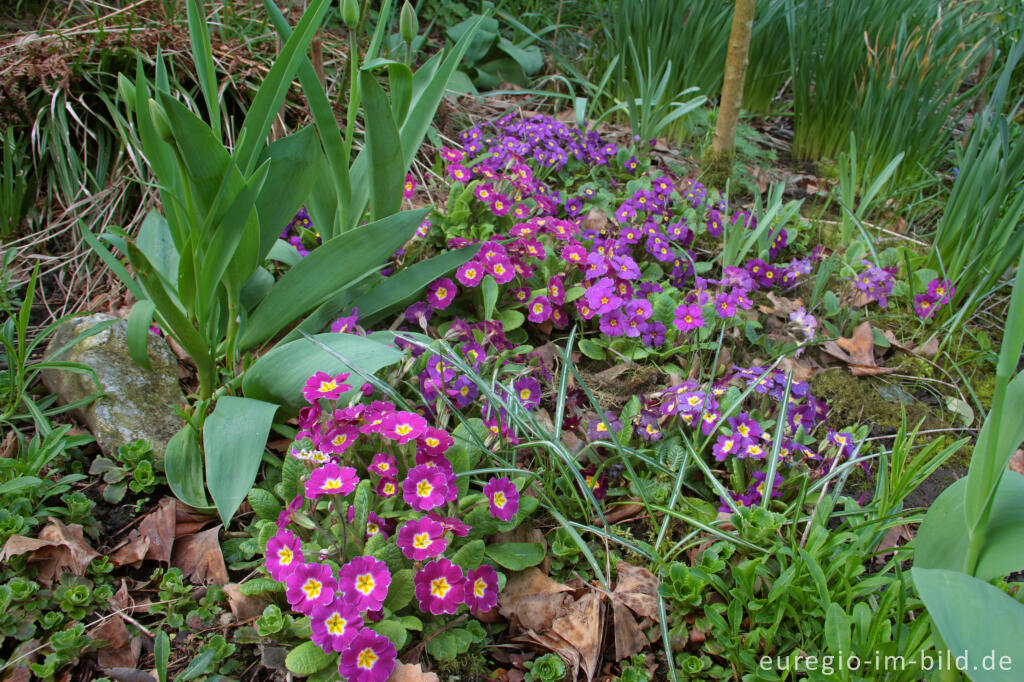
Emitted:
pixel 856 400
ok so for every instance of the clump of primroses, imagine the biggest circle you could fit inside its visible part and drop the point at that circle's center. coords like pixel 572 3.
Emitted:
pixel 939 293
pixel 375 476
pixel 622 265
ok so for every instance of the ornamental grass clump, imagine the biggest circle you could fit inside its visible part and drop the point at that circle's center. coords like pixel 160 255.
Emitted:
pixel 382 533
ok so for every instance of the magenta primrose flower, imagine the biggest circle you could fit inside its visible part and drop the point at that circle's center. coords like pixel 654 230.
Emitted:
pixel 384 465
pixel 323 385
pixel 481 589
pixel 441 293
pixel 331 479
pixel 309 586
pixel 434 441
pixel 425 487
pixel 422 539
pixel 402 427
pixel 504 498
pixel 370 657
pixel 689 317
pixel 364 581
pixel 470 273
pixel 335 625
pixel 539 309
pixel 439 587
pixel 284 553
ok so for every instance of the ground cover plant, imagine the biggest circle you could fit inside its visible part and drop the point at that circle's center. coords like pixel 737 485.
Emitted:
pixel 501 387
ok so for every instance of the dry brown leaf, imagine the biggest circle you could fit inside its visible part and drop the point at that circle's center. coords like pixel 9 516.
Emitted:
pixel 244 607
pixel 894 537
pixel 528 582
pixel 582 627
pixel 154 538
pixel 623 511
pixel 802 369
pixel 858 351
pixel 596 220
pixel 1017 462
pixel 132 552
pixel 120 650
pixel 629 638
pixel 199 557
pixel 59 548
pixel 928 349
pixel 405 672
pixel 638 589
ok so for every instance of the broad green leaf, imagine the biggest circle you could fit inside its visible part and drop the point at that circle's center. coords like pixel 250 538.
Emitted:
pixel 837 629
pixel 489 289
pixel 511 320
pixel 592 349
pixel 393 630
pixel 234 437
pixel 361 504
pixel 470 555
pixel 326 271
pixel 529 59
pixel 481 40
pixel 284 252
pixel 264 503
pixel 272 92
pixel 202 57
pixel 306 659
pixel 384 150
pixel 293 171
pixel 139 320
pixel 516 556
pixel 183 465
pixel 197 666
pixel 111 262
pixel 401 590
pixel 256 288
pixel 942 538
pixel 404 287
pixel 280 375
pixel 976 619
pixel 155 240
pixel 448 645
pixel 328 311
pixel 162 654
pixel 400 89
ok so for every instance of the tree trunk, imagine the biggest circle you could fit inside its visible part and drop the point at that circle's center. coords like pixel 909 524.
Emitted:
pixel 735 71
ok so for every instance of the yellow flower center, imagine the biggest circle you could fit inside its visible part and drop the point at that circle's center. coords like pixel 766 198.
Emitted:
pixel 285 556
pixel 479 587
pixel 743 429
pixel 332 484
pixel 439 587
pixel 421 540
pixel 524 394
pixel 366 659
pixel 389 488
pixel 340 439
pixel 424 488
pixel 312 588
pixel 372 528
pixel 365 583
pixel 441 293
pixel 328 386
pixel 336 624
pixel 403 429
pixel 500 500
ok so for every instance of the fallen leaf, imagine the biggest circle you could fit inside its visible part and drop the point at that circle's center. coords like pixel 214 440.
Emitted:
pixel 623 511
pixel 629 638
pixel 200 558
pixel 244 607
pixel 527 583
pixel 24 655
pixel 1017 462
pixel 188 520
pixel 858 351
pixel 120 649
pixel 59 548
pixel 582 627
pixel 405 672
pixel 637 588
pixel 129 675
pixel 893 538
pixel 802 370
pixel 928 349
pixel 154 538
pixel 596 220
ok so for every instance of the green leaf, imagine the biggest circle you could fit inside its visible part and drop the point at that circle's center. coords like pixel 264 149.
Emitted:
pixel 197 666
pixel 511 319
pixel 183 466
pixel 259 586
pixel 202 57
pixel 837 629
pixel 275 86
pixel 384 150
pixel 292 472
pixel 516 556
pixel 470 555
pixel 592 349
pixel 529 59
pixel 448 645
pixel 361 504
pixel 139 320
pixel 402 288
pixel 280 375
pixel 162 654
pixel 942 538
pixel 489 289
pixel 307 659
pixel 329 269
pixel 155 240
pixel 264 503
pixel 973 617
pixel 401 590
pixel 234 437
pixel 393 630
pixel 289 182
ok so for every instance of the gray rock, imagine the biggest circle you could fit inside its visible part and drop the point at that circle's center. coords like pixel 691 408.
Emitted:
pixel 137 403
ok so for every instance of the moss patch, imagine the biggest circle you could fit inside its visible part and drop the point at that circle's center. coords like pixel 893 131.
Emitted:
pixel 856 400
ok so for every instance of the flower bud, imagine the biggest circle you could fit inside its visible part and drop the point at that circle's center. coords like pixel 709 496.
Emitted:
pixel 350 13
pixel 160 121
pixel 126 89
pixel 408 24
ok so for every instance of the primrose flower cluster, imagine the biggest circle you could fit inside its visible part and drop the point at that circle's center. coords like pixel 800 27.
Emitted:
pixel 694 406
pixel 339 575
pixel 556 262
pixel 939 293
